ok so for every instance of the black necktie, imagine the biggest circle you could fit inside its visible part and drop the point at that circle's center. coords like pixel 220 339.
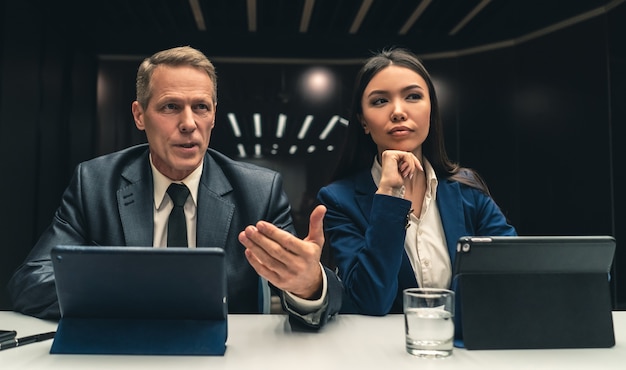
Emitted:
pixel 176 225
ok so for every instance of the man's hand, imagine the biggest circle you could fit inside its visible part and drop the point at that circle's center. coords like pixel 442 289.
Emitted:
pixel 289 263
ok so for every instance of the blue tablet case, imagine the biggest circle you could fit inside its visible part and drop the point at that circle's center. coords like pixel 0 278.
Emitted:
pixel 534 292
pixel 140 300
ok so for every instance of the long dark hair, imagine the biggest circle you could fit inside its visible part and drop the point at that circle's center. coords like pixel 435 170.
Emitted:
pixel 359 149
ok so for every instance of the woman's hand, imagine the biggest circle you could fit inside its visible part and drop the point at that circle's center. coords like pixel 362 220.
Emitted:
pixel 398 168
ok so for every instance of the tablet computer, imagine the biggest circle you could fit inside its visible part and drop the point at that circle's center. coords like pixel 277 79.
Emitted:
pixel 518 292
pixel 140 300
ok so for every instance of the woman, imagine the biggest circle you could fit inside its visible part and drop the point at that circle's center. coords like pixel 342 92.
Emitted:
pixel 397 205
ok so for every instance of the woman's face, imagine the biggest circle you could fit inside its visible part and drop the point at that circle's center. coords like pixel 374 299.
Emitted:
pixel 396 110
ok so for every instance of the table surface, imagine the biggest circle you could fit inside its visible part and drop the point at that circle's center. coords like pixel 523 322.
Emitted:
pixel 347 342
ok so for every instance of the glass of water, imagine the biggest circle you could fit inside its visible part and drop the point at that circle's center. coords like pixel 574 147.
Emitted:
pixel 429 321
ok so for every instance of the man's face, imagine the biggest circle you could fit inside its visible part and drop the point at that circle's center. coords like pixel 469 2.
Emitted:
pixel 178 120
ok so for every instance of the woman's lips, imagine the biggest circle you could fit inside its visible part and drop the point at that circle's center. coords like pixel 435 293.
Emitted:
pixel 400 131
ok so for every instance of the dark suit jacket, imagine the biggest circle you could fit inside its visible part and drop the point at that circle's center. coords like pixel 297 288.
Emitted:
pixel 366 233
pixel 109 201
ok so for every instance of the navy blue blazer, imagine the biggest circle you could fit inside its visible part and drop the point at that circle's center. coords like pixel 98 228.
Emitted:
pixel 109 201
pixel 366 234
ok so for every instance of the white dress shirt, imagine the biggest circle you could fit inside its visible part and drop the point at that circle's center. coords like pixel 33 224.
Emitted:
pixel 425 240
pixel 163 205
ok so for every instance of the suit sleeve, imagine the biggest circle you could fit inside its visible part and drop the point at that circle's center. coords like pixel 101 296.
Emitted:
pixel 281 217
pixel 368 249
pixel 32 287
pixel 483 216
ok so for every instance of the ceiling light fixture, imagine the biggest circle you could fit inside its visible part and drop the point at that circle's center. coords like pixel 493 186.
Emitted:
pixel 305 126
pixel 282 122
pixel 257 124
pixel 317 84
pixel 306 15
pixel 293 149
pixel 469 17
pixel 360 15
pixel 242 150
pixel 251 15
pixel 257 150
pixel 329 126
pixel 413 18
pixel 197 14
pixel 233 123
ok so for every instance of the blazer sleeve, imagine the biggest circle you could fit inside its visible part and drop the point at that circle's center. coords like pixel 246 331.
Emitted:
pixel 368 247
pixel 32 288
pixel 483 217
pixel 280 216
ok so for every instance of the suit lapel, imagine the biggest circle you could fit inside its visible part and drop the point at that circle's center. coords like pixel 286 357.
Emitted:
pixel 365 189
pixel 215 213
pixel 448 202
pixel 135 203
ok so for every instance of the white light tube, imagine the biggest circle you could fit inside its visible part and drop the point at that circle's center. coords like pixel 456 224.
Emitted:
pixel 242 150
pixel 282 122
pixel 305 126
pixel 233 123
pixel 257 124
pixel 331 123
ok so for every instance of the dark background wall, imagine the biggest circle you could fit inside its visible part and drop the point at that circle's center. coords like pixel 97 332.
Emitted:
pixel 541 120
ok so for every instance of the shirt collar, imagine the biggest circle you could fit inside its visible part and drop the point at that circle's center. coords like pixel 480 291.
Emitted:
pixel 161 183
pixel 431 179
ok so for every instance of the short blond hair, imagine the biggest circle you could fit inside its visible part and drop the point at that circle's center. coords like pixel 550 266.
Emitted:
pixel 178 56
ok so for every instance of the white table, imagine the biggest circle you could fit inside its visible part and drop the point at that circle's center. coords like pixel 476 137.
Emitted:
pixel 348 342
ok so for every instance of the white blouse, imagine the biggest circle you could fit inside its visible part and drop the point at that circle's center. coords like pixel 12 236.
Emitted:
pixel 425 241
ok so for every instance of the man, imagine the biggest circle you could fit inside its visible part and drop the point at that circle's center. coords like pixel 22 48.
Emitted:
pixel 122 199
